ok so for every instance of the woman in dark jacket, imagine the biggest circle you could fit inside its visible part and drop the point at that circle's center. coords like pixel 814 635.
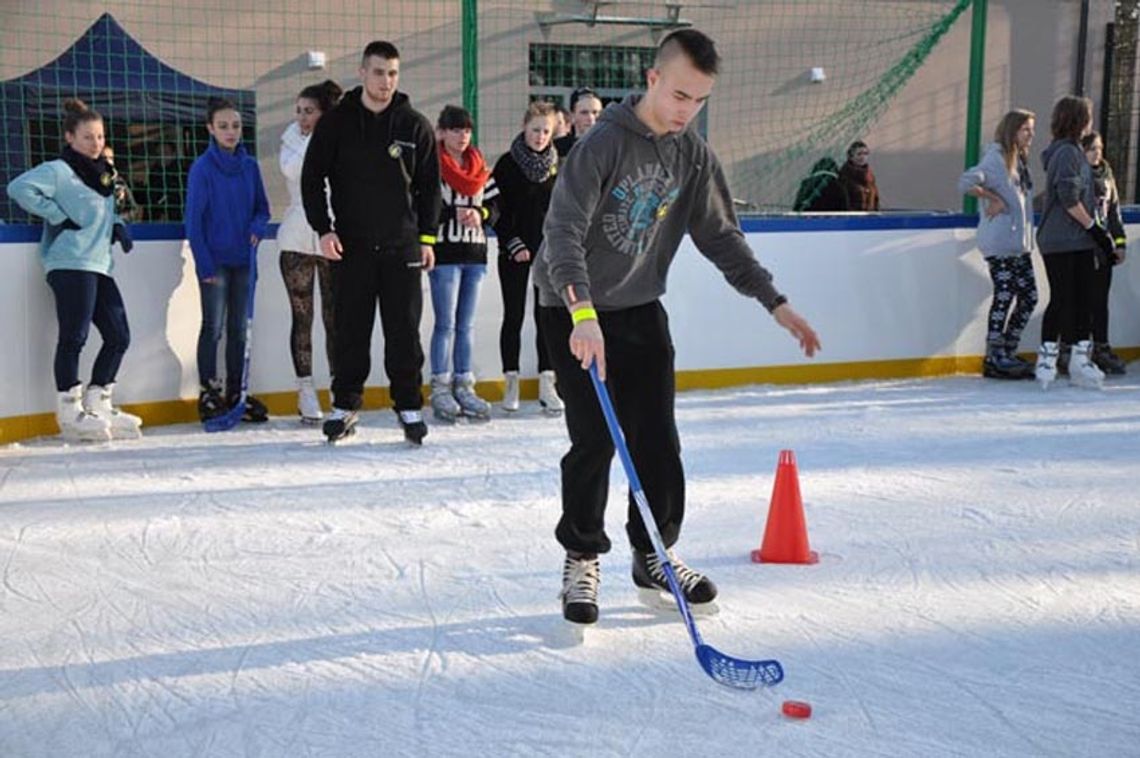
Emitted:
pixel 858 180
pixel 1108 213
pixel 525 178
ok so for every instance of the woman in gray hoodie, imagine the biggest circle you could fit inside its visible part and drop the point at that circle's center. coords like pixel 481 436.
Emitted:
pixel 1005 237
pixel 1072 245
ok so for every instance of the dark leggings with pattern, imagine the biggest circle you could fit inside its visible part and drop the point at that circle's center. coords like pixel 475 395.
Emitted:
pixel 299 270
pixel 1013 281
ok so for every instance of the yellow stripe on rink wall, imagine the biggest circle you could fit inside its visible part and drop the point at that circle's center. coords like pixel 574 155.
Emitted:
pixel 284 404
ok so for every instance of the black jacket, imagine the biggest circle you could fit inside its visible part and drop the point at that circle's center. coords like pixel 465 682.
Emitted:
pixel 522 207
pixel 382 170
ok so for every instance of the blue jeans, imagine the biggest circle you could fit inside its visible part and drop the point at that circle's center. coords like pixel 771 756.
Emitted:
pixel 454 295
pixel 83 298
pixel 223 302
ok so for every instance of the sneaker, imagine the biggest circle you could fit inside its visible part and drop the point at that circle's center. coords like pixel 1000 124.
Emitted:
pixel 581 575
pixel 511 391
pixel 413 425
pixel 548 394
pixel 649 574
pixel 470 403
pixel 1082 371
pixel 443 404
pixel 340 423
pixel 1107 361
pixel 255 411
pixel 211 404
pixel 308 405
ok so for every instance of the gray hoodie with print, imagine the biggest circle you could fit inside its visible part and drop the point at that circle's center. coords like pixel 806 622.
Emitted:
pixel 622 204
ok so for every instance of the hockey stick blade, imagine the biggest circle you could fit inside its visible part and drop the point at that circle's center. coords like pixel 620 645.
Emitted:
pixel 227 420
pixel 723 669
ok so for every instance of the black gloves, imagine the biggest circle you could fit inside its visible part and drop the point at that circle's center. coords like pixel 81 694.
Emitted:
pixel 121 234
pixel 1105 246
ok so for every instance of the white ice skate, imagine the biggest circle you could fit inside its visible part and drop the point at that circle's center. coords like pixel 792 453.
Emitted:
pixel 548 394
pixel 471 405
pixel 443 404
pixel 1083 372
pixel 123 425
pixel 76 423
pixel 308 405
pixel 1046 370
pixel 511 391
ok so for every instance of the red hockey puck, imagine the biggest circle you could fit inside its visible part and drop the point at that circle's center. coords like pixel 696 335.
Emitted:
pixel 796 709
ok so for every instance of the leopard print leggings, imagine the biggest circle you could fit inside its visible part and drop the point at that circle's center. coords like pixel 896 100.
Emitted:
pixel 299 270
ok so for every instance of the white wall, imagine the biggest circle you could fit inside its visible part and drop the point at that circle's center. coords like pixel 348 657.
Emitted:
pixel 872 295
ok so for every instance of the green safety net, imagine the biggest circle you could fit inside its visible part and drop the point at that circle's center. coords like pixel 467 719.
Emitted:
pixel 150 68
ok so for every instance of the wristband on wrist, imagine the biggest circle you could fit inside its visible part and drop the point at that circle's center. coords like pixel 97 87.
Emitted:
pixel 583 314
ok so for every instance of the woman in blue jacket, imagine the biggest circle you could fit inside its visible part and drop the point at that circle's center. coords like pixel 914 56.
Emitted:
pixel 74 195
pixel 227 214
pixel 1005 238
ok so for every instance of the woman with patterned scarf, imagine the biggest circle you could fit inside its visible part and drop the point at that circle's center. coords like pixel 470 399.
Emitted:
pixel 858 180
pixel 525 178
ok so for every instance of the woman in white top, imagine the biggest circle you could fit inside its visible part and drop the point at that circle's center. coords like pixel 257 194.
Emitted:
pixel 301 260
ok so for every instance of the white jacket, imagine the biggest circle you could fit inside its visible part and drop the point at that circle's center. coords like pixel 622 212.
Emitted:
pixel 295 234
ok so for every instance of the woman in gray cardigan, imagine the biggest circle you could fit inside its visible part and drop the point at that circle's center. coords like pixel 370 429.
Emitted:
pixel 1072 244
pixel 1005 238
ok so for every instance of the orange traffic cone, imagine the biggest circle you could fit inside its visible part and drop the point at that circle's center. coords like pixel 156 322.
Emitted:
pixel 785 535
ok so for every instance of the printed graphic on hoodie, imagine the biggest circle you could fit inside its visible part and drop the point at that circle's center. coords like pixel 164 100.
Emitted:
pixel 643 199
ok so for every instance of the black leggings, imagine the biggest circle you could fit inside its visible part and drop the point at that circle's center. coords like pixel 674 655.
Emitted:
pixel 513 278
pixel 1067 317
pixel 1013 283
pixel 299 270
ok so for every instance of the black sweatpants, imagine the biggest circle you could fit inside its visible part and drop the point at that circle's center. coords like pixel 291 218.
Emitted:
pixel 367 275
pixel 1067 317
pixel 640 380
pixel 1102 283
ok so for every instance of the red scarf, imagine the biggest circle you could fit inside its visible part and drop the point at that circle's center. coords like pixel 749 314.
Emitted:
pixel 469 178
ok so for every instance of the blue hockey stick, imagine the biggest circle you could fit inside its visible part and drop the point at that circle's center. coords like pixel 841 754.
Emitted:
pixel 232 417
pixel 729 671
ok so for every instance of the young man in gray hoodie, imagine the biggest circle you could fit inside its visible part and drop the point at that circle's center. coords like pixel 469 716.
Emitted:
pixel 629 192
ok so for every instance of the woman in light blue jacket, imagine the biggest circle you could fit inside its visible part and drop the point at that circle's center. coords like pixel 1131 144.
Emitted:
pixel 74 195
pixel 1005 238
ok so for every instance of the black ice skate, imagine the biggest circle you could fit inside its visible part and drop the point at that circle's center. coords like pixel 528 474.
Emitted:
pixel 649 576
pixel 413 425
pixel 210 402
pixel 581 574
pixel 255 411
pixel 339 425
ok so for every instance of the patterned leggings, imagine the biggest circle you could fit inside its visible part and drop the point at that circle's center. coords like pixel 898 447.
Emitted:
pixel 1013 280
pixel 299 270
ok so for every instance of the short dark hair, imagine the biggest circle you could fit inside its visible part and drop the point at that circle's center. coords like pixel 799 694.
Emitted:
pixel 1071 115
pixel 325 95
pixel 697 46
pixel 580 93
pixel 381 49
pixel 855 147
pixel 454 117
pixel 215 104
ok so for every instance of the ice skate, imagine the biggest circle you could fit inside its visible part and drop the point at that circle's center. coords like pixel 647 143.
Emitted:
pixel 511 391
pixel 76 423
pixel 412 422
pixel 339 425
pixel 210 401
pixel 1082 371
pixel 1046 369
pixel 443 404
pixel 123 425
pixel 653 588
pixel 255 411
pixel 470 404
pixel 1107 361
pixel 548 394
pixel 308 405
pixel 999 363
pixel 581 575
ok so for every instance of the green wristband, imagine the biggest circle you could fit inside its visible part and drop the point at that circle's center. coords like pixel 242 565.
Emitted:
pixel 583 314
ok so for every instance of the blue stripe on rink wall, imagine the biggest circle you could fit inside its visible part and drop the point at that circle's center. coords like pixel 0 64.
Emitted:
pixel 749 224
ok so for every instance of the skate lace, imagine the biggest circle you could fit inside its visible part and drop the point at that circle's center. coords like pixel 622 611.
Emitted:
pixel 686 577
pixel 580 579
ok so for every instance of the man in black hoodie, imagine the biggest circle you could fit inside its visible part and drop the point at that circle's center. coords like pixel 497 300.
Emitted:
pixel 379 158
pixel 640 180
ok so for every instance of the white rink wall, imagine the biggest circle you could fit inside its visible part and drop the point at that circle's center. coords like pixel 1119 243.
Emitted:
pixel 873 295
